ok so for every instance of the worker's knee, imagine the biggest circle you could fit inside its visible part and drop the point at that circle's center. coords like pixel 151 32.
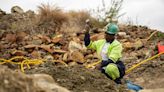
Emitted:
pixel 112 70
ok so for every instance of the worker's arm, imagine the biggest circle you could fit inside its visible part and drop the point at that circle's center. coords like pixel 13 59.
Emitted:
pixel 88 43
pixel 87 38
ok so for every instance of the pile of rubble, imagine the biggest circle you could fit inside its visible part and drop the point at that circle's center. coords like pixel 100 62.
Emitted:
pixel 78 78
pixel 21 35
pixel 26 41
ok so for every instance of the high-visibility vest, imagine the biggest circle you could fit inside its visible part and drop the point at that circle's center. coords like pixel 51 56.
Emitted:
pixel 114 50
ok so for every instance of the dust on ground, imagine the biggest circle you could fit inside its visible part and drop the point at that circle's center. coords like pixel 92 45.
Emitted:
pixel 78 78
pixel 149 75
pixel 22 35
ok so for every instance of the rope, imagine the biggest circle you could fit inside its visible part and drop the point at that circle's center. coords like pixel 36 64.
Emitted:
pixel 135 66
pixel 28 62
pixel 93 64
pixel 151 35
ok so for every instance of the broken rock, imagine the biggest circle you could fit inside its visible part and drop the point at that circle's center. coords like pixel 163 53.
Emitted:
pixel 49 57
pixel 12 81
pixel 138 44
pixel 30 13
pixel 127 45
pixel 2 13
pixel 16 9
pixel 36 54
pixel 44 38
pixel 37 42
pixel 65 57
pixel 57 38
pixel 72 63
pixel 46 83
pixel 1 46
pixel 74 46
pixel 18 53
pixel 30 46
pixel 21 36
pixel 46 48
pixel 11 38
pixel 77 57
pixel 59 51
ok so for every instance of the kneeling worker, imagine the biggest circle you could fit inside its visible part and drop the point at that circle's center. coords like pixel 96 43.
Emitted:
pixel 109 49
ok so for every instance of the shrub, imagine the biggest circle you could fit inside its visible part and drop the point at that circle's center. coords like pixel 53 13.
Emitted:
pixel 79 17
pixel 109 13
pixel 51 16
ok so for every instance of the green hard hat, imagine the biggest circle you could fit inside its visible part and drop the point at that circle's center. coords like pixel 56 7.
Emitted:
pixel 112 29
pixel 112 70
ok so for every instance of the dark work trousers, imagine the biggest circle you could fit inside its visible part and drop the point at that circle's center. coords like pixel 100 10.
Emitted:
pixel 120 66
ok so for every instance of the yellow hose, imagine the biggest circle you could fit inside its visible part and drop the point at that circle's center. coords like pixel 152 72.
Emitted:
pixel 28 66
pixel 27 62
pixel 3 61
pixel 18 57
pixel 135 66
pixel 93 64
pixel 151 35
pixel 22 68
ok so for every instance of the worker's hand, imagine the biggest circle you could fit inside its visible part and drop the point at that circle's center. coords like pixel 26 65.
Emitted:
pixel 88 25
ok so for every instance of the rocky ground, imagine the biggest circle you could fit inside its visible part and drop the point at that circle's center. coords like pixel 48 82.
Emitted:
pixel 29 35
pixel 78 78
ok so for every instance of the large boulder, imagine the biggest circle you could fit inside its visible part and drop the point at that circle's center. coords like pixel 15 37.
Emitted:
pixel 12 81
pixel 74 46
pixel 30 13
pixel 15 81
pixel 2 13
pixel 17 9
pixel 46 83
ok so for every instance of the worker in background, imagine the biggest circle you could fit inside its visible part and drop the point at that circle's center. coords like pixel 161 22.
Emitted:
pixel 109 50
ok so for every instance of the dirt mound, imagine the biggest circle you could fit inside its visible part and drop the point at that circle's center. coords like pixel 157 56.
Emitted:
pixel 139 45
pixel 78 78
pixel 149 75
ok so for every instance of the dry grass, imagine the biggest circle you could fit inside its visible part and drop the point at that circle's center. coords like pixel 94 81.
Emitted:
pixel 76 22
pixel 51 14
pixel 79 17
pixel 71 29
pixel 52 18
